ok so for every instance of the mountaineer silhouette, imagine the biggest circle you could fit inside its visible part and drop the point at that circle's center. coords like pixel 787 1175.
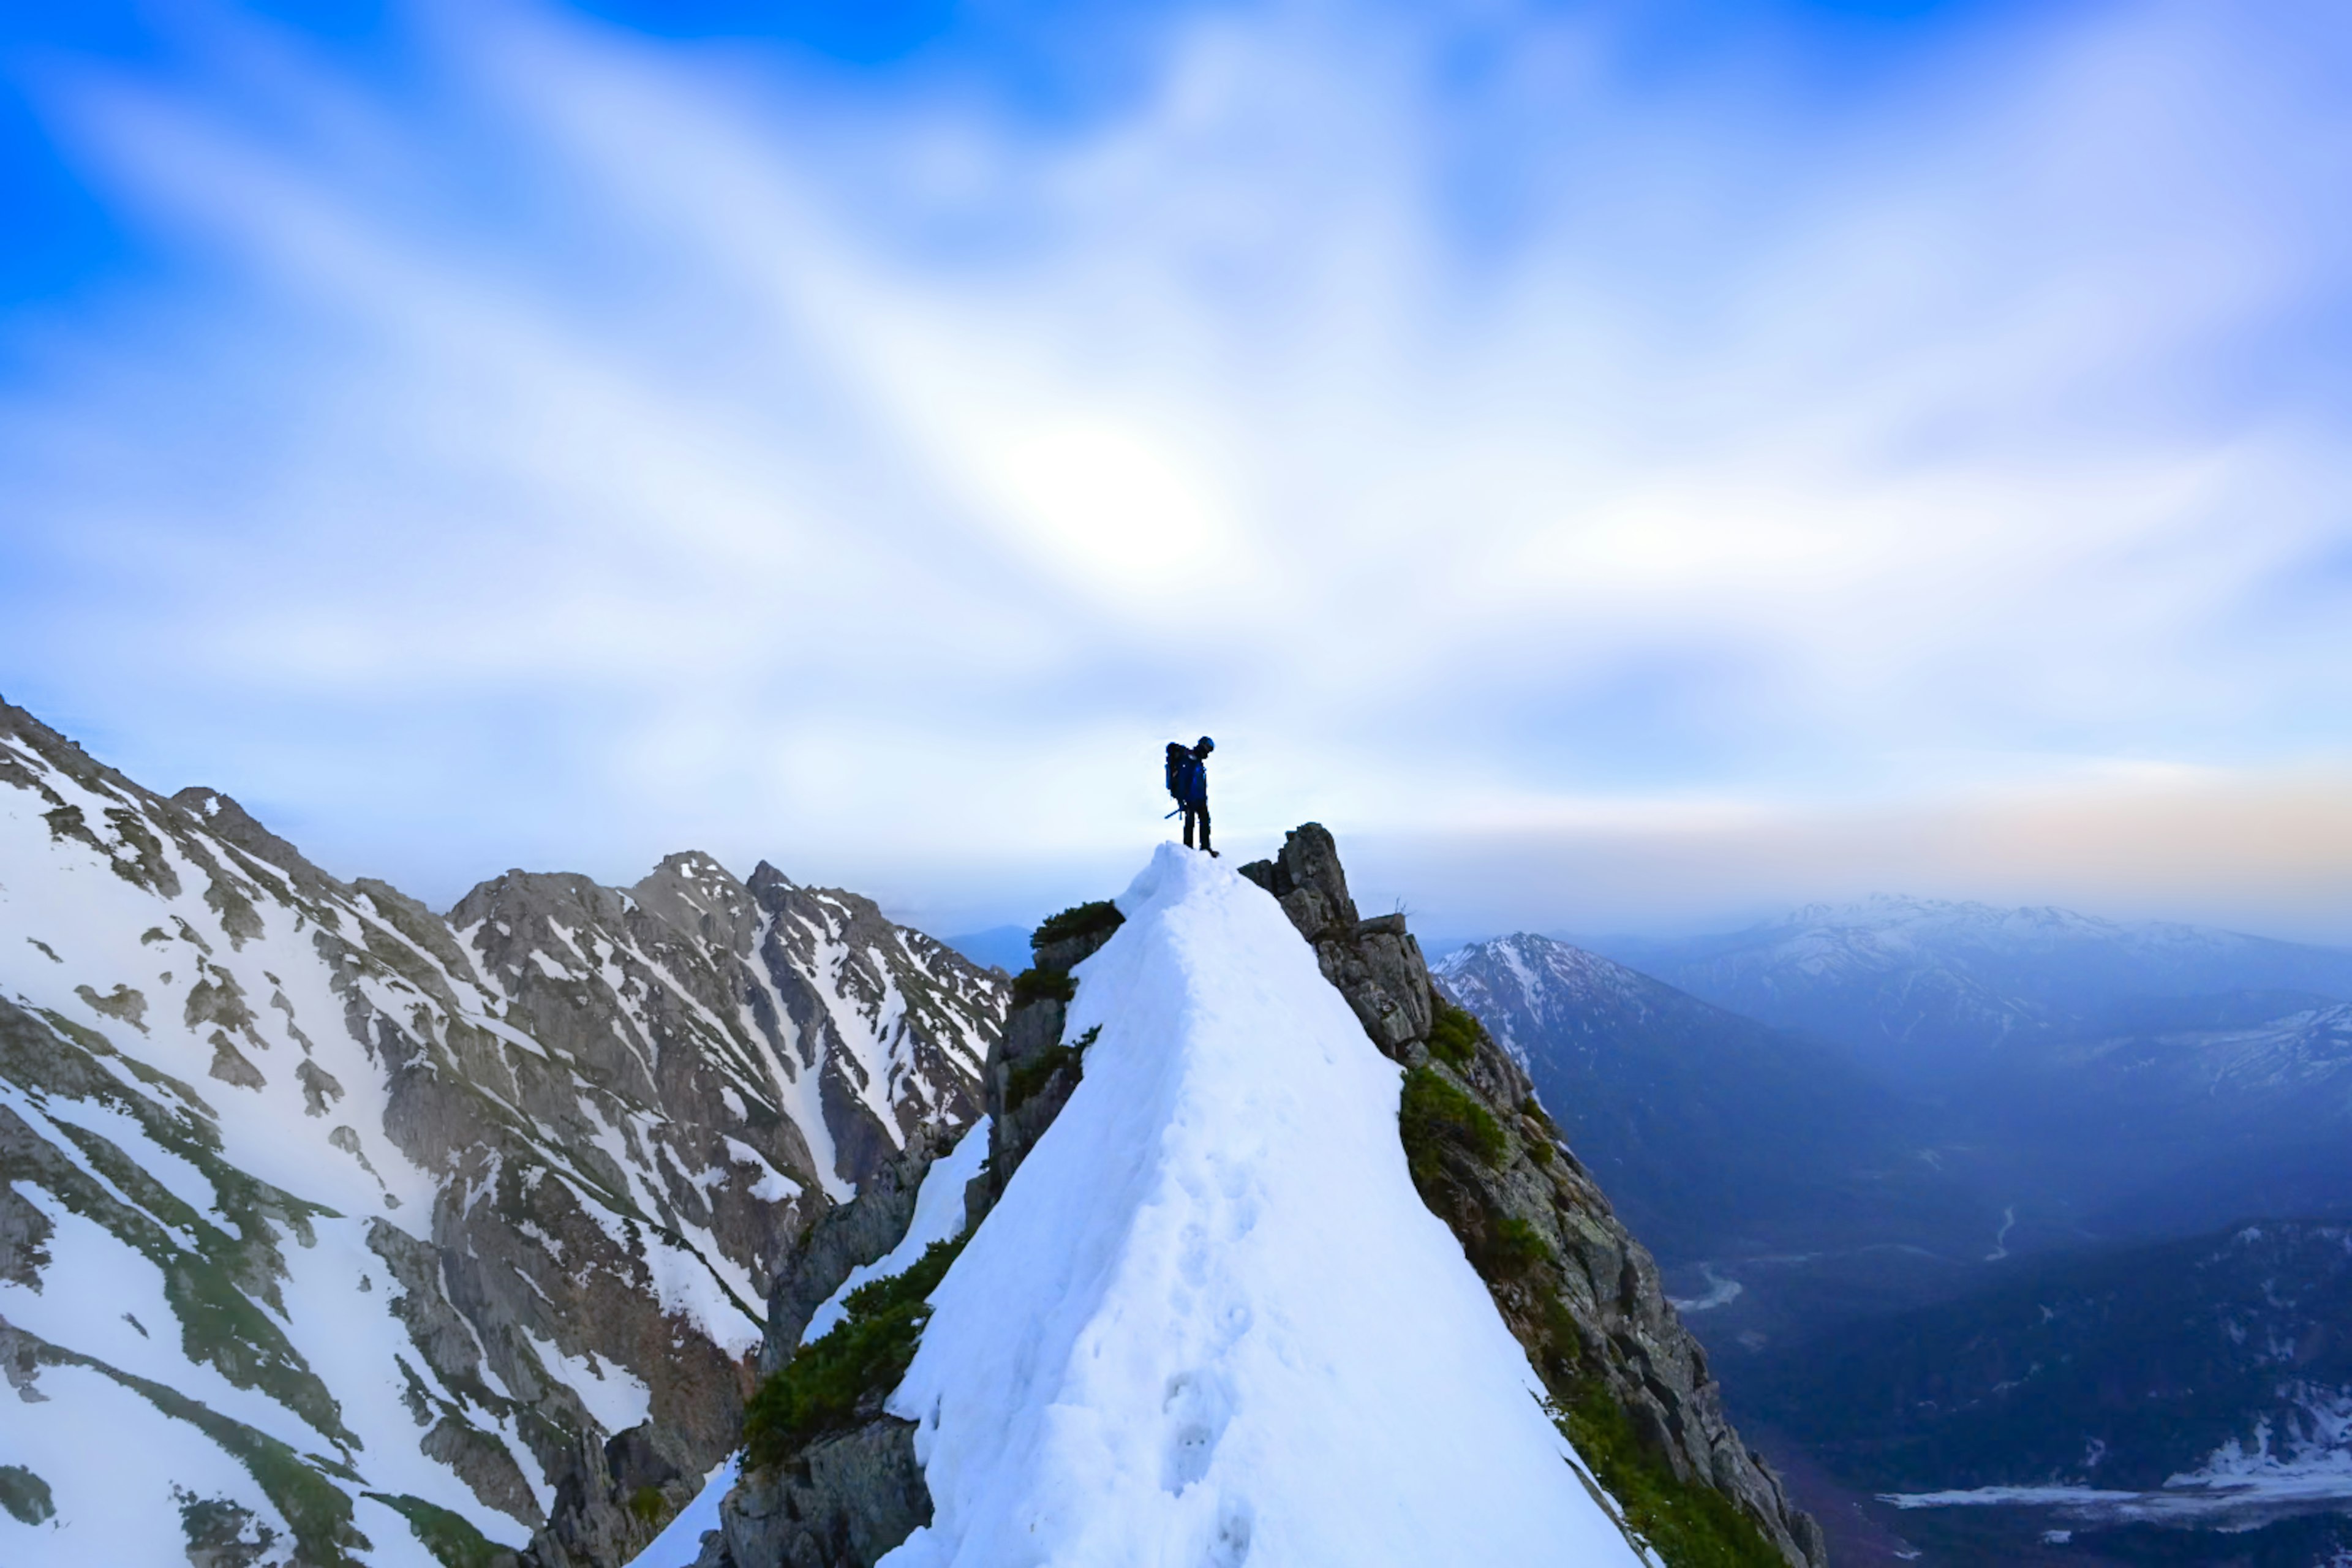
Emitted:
pixel 1188 782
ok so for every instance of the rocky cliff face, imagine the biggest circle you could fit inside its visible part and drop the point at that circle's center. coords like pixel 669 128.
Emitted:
pixel 334 1226
pixel 1577 1289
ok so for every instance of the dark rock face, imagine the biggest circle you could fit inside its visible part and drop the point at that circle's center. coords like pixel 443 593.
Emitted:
pixel 1376 964
pixel 848 1497
pixel 1032 1072
pixel 842 1238
pixel 1587 1302
pixel 845 1500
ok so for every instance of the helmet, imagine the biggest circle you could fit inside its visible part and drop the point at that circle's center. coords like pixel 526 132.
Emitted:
pixel 1206 744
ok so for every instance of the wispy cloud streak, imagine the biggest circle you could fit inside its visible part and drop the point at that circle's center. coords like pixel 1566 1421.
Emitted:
pixel 568 444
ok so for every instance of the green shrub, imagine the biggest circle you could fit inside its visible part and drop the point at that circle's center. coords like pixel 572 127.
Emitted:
pixel 862 1355
pixel 26 1495
pixel 1688 1525
pixel 1540 1151
pixel 451 1538
pixel 1433 1112
pixel 1031 984
pixel 648 1504
pixel 1532 1109
pixel 1082 920
pixel 1454 1038
pixel 1038 1070
pixel 1515 1246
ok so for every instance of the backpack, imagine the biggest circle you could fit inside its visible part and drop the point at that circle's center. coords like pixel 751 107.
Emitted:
pixel 1179 771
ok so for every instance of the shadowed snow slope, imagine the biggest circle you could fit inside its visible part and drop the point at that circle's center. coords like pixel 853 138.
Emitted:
pixel 1211 1321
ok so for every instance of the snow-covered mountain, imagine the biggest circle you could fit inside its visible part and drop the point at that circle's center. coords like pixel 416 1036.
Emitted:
pixel 2297 1063
pixel 1925 987
pixel 337 1231
pixel 1273 1257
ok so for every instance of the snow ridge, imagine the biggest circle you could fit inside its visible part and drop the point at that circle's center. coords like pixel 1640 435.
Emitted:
pixel 1210 1320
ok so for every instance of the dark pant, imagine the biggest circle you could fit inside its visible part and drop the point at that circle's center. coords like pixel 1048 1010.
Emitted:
pixel 1196 809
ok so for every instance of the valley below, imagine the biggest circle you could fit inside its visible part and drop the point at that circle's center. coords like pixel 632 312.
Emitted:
pixel 2012 1235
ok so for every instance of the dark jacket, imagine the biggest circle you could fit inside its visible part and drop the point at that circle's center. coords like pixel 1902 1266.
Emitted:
pixel 1195 783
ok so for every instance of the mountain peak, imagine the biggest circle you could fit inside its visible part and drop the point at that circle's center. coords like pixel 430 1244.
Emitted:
pixel 472 1224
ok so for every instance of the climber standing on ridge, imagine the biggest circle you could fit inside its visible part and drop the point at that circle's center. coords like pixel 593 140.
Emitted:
pixel 1188 781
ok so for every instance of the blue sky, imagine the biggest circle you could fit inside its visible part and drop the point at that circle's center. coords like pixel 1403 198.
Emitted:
pixel 1620 465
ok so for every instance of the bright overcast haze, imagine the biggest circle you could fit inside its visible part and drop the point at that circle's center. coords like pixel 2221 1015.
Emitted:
pixel 1620 467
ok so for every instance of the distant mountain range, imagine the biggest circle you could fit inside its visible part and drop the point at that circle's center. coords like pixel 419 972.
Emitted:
pixel 1922 990
pixel 2112 1080
pixel 1712 1132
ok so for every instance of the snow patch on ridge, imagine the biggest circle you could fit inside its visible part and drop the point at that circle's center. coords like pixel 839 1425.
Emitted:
pixel 679 1545
pixel 939 1216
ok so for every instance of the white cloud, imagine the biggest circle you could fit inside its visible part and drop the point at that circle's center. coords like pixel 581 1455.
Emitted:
pixel 591 444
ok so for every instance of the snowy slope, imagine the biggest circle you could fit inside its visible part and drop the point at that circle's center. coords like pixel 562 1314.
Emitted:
pixel 328 1226
pixel 1210 1320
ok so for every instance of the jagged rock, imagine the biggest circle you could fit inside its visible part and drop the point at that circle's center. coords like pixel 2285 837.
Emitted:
pixel 230 1066
pixel 319 1089
pixel 222 1534
pixel 1306 878
pixel 483 1463
pixel 842 1503
pixel 124 1002
pixel 842 1238
pixel 1031 1056
pixel 1375 963
pixel 24 1232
